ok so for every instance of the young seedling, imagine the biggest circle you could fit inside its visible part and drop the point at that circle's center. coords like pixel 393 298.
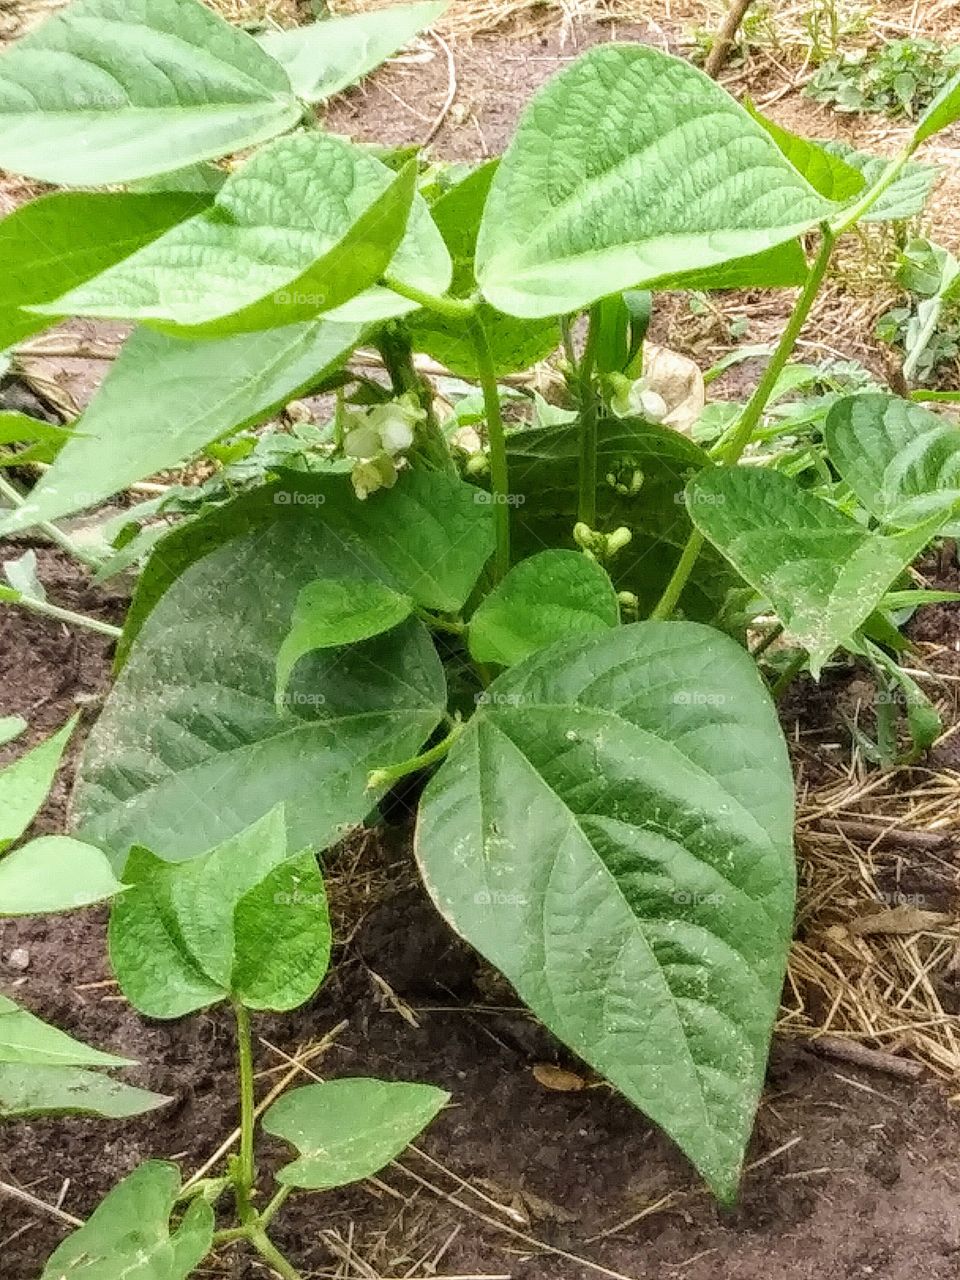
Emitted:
pixel 610 812
pixel 245 924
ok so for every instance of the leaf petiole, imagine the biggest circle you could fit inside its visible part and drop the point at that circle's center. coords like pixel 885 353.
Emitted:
pixel 68 616
pixel 587 502
pixel 56 535
pixel 730 448
pixel 444 305
pixel 387 777
pixel 244 1170
pixel 496 438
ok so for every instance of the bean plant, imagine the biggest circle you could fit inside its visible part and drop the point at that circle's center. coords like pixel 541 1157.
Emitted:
pixel 548 622
pixel 246 924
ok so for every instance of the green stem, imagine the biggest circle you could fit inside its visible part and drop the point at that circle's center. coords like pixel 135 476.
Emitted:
pixel 770 638
pixel 731 447
pixel 674 588
pixel 270 1253
pixel 566 337
pixel 387 777
pixel 246 1172
pixel 230 1236
pixel 787 675
pixel 69 617
pixel 62 540
pixel 587 503
pixel 497 440
pixel 396 351
pixel 453 308
pixel 731 450
pixel 844 221
pixel 274 1207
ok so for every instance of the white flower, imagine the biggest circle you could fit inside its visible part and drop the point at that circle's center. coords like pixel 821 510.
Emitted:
pixel 373 474
pixel 632 398
pixel 384 428
pixel 362 441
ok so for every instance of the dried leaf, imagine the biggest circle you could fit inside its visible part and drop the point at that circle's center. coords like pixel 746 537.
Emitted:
pixel 557 1079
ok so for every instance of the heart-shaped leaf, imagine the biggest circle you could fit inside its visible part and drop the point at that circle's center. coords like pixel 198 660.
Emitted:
pixel 338 611
pixel 428 538
pixel 823 572
pixel 43 1090
pixel 149 85
pixel 247 921
pixel 324 57
pixel 25 783
pixel 304 226
pixel 130 1232
pixel 174 396
pixel 643 469
pixel 347 1130
pixel 542 599
pixel 54 873
pixel 55 243
pixel 613 830
pixel 901 461
pixel 190 750
pixel 629 168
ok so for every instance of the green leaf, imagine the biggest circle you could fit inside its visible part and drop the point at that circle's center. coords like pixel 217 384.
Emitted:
pixel 245 265
pixel 44 440
pixel 901 461
pixel 43 1090
pixel 627 161
pixel 549 597
pixel 325 57
pixel 905 198
pixel 614 831
pixel 827 172
pixel 175 396
pixel 348 1130
pixel 652 463
pixel 514 344
pixel 11 727
pixel 59 241
pixel 189 749
pixel 246 921
pixel 338 611
pixel 943 111
pixel 149 86
pixel 202 179
pixel 130 1233
pixel 26 1040
pixel 25 783
pixel 823 572
pixel 54 873
pixel 432 536
pixel 22 576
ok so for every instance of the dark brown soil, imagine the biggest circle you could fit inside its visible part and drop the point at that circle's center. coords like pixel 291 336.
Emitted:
pixel 860 1172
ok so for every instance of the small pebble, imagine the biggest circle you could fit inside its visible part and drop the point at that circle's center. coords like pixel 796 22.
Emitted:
pixel 19 958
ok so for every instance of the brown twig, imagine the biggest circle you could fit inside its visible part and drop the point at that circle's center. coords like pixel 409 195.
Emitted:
pixel 861 1056
pixel 876 833
pixel 725 37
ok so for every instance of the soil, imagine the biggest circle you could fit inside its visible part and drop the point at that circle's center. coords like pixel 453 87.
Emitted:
pixel 854 1173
